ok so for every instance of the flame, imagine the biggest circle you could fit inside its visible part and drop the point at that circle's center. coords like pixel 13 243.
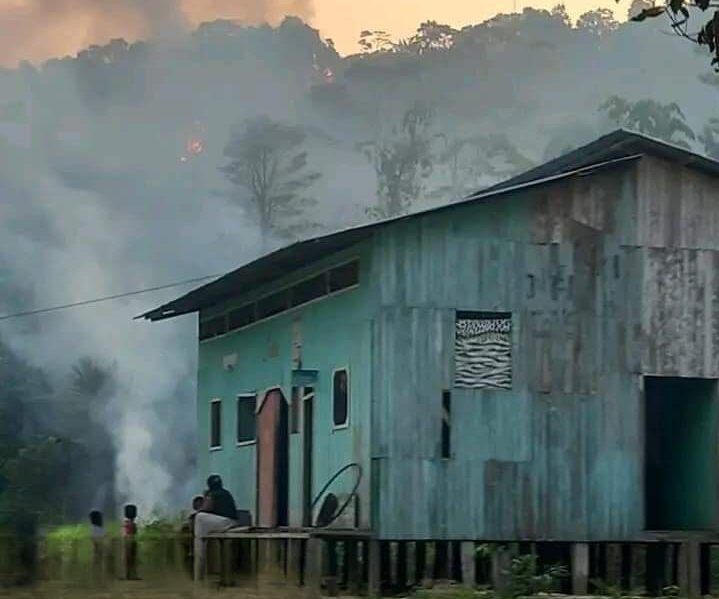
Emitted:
pixel 195 146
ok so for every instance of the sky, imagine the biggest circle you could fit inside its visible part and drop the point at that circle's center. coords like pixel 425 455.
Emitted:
pixel 36 30
pixel 342 20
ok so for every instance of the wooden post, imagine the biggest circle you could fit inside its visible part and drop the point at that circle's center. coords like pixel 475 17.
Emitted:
pixel 330 575
pixel 294 560
pixel 501 558
pixel 441 560
pixel 402 566
pixel 705 565
pixel 226 567
pixel 469 575
pixel 655 568
pixel 420 562
pixel 626 577
pixel 373 584
pixel 385 564
pixel 313 565
pixel 353 569
pixel 689 569
pixel 580 568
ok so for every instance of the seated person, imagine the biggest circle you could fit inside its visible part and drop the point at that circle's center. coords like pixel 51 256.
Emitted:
pixel 186 531
pixel 217 513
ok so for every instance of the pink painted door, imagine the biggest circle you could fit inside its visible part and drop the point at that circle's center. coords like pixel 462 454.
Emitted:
pixel 267 456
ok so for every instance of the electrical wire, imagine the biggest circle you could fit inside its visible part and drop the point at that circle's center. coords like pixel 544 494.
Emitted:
pixel 106 298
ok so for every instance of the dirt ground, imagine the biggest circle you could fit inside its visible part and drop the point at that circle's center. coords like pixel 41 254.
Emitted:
pixel 154 590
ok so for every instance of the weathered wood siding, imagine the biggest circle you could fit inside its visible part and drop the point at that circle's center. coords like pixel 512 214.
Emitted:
pixel 607 276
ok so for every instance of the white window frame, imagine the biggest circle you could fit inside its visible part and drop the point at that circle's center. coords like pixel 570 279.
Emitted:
pixel 239 397
pixel 346 424
pixel 216 400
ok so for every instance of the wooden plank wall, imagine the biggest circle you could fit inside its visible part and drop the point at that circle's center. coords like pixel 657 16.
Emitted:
pixel 607 276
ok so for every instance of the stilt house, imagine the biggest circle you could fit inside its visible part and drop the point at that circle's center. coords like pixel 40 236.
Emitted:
pixel 536 362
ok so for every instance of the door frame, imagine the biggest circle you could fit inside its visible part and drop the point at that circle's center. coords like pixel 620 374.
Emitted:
pixel 308 404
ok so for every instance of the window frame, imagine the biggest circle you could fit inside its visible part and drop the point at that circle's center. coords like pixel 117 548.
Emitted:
pixel 485 315
pixel 239 397
pixel 346 423
pixel 213 402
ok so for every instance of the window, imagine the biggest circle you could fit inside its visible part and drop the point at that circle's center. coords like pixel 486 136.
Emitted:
pixel 446 422
pixel 344 276
pixel 246 418
pixel 213 327
pixel 241 317
pixel 329 281
pixel 272 304
pixel 483 350
pixel 340 398
pixel 308 290
pixel 215 424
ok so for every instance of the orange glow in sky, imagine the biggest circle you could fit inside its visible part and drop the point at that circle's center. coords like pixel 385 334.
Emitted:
pixel 39 29
pixel 342 20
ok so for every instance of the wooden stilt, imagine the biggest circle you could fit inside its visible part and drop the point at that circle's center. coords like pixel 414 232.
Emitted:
pixel 330 573
pixel 353 567
pixel 440 561
pixel 689 569
pixel 469 574
pixel 705 569
pixel 385 565
pixel 401 566
pixel 373 585
pixel 294 561
pixel 313 565
pixel 580 568
pixel 226 567
pixel 501 558
pixel 626 567
pixel 420 562
pixel 655 569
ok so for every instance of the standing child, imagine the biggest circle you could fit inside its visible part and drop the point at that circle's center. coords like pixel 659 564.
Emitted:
pixel 129 537
pixel 97 535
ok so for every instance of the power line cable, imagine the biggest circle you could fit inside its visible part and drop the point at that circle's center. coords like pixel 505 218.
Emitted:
pixel 106 298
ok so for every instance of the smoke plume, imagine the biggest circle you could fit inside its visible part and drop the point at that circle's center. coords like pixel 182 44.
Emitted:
pixel 36 30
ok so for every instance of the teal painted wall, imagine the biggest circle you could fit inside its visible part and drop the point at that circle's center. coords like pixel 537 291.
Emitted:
pixel 607 277
pixel 335 334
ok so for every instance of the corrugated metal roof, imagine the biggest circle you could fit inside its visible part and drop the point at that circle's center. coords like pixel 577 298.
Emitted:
pixel 607 151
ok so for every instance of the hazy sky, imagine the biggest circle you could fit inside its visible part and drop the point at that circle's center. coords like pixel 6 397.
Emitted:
pixel 39 29
pixel 342 20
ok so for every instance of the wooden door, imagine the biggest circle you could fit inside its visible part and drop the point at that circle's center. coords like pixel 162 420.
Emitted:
pixel 272 461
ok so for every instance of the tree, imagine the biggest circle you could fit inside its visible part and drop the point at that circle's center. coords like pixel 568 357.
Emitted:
pixel 268 167
pixel 598 22
pixel 402 162
pixel 375 41
pixel 469 162
pixel 679 13
pixel 710 138
pixel 637 7
pixel 663 121
pixel 559 12
pixel 432 36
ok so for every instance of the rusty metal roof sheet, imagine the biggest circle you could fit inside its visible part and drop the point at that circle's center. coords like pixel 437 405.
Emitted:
pixel 607 151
